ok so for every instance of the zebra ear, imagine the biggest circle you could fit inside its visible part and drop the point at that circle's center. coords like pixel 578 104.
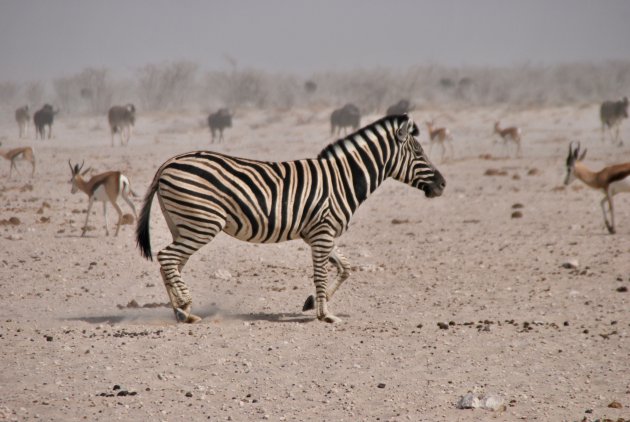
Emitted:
pixel 403 131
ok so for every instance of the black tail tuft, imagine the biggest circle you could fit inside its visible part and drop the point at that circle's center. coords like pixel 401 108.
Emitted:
pixel 143 239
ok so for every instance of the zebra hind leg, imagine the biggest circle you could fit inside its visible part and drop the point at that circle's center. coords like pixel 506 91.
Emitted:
pixel 172 260
pixel 343 267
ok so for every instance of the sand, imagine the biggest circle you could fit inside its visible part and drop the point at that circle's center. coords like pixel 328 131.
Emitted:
pixel 447 296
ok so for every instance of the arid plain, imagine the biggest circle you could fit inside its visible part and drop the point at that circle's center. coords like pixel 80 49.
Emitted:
pixel 446 296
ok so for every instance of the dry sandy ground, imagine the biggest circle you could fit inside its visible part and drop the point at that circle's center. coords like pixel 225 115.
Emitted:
pixel 553 342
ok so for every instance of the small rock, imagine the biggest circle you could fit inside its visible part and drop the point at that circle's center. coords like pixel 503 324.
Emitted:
pixel 133 304
pixel 442 325
pixel 381 385
pixel 127 219
pixel 517 214
pixel 517 206
pixel 495 172
pixel 223 274
pixel 615 405
pixel 571 264
pixel 49 338
pixel 189 394
pixel 468 401
pixel 622 289
pixel 398 221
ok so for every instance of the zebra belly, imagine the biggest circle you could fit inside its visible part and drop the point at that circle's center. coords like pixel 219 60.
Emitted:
pixel 260 233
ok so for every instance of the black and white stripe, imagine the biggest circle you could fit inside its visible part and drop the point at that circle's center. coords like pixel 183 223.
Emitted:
pixel 203 193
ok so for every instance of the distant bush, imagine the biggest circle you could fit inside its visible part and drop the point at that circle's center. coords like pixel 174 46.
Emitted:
pixel 166 86
pixel 178 86
pixel 89 91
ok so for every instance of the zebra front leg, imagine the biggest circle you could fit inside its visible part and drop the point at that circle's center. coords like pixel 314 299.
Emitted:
pixel 343 267
pixel 321 249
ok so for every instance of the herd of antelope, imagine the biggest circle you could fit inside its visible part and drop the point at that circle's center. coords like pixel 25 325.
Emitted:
pixel 113 185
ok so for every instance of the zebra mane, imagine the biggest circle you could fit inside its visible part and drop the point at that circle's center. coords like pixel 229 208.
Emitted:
pixel 394 119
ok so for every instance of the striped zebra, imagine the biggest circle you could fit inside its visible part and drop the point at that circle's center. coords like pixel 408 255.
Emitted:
pixel 203 193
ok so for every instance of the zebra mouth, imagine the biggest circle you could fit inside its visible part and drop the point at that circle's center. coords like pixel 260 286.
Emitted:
pixel 431 191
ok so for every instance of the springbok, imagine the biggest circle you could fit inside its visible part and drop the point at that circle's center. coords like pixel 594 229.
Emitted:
pixel 512 134
pixel 611 180
pixel 104 187
pixel 611 113
pixel 19 154
pixel 22 117
pixel 441 135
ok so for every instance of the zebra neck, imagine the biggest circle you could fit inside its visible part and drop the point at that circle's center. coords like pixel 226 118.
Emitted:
pixel 360 165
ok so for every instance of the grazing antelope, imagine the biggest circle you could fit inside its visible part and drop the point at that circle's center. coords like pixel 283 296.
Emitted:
pixel 612 180
pixel 441 135
pixel 218 121
pixel 121 120
pixel 512 134
pixel 104 187
pixel 611 113
pixel 347 116
pixel 42 118
pixel 19 154
pixel 22 117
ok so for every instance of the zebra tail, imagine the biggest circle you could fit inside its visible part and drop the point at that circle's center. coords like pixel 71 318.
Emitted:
pixel 143 238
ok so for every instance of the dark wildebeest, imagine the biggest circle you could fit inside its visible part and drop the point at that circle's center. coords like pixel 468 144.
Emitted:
pixel 401 107
pixel 219 121
pixel 344 117
pixel 611 114
pixel 121 120
pixel 23 117
pixel 310 87
pixel 42 118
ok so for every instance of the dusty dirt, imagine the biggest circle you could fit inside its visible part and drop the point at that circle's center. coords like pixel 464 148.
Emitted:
pixel 466 292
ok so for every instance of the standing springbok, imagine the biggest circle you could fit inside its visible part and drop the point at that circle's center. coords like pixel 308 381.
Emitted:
pixel 511 134
pixel 612 180
pixel 611 113
pixel 441 135
pixel 19 154
pixel 23 117
pixel 104 187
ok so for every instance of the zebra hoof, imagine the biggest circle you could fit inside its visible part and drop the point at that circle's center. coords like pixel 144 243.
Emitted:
pixel 309 304
pixel 330 318
pixel 183 316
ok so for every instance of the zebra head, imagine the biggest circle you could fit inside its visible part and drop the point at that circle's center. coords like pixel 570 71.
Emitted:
pixel 414 167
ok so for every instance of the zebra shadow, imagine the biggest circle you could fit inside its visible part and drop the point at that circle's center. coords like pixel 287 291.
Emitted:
pixel 210 315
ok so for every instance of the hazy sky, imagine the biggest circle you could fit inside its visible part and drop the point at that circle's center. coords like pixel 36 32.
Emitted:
pixel 42 39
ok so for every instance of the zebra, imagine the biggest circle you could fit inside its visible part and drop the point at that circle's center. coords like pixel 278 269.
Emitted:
pixel 611 113
pixel 202 193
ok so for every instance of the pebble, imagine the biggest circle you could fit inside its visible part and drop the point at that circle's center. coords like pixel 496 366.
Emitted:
pixel 381 385
pixel 571 264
